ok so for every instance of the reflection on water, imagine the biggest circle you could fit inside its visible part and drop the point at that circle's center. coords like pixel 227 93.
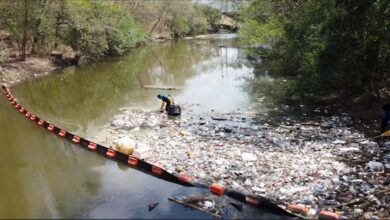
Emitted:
pixel 45 177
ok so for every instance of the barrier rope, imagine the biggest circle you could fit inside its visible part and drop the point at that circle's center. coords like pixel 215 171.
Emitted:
pixel 156 171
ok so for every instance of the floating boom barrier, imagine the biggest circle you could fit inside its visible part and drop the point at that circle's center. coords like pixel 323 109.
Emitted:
pixel 258 202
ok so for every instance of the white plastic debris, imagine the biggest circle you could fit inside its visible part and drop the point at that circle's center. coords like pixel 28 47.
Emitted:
pixel 208 204
pixel 246 157
pixel 142 152
pixel 338 142
pixel 375 166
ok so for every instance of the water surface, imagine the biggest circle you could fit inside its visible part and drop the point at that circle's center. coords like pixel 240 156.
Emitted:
pixel 44 176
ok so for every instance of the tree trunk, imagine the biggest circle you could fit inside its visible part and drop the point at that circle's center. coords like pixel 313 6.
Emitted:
pixel 159 18
pixel 24 37
pixel 56 36
pixel 35 41
pixel 134 6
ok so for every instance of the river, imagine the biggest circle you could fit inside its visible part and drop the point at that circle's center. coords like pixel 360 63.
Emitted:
pixel 44 176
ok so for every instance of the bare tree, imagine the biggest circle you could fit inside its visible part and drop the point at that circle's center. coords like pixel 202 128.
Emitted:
pixel 163 6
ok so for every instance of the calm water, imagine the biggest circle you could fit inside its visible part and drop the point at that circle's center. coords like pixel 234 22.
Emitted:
pixel 43 176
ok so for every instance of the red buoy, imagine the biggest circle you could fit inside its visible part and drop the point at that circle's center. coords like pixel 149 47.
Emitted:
pixel 62 133
pixel 111 153
pixel 300 209
pixel 41 122
pixel 50 127
pixel 92 146
pixel 132 161
pixel 185 178
pixel 251 201
pixel 76 139
pixel 157 170
pixel 325 215
pixel 217 189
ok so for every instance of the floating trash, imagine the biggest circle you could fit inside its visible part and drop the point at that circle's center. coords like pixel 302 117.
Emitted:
pixel 318 163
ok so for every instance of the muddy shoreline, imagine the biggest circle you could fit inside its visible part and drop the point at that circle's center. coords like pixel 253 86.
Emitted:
pixel 13 73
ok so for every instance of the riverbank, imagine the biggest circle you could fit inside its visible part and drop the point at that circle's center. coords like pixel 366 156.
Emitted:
pixel 16 72
pixel 323 163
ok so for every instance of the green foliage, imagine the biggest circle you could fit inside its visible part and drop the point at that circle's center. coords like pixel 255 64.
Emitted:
pixel 211 14
pixel 174 18
pixel 23 19
pixel 94 27
pixel 99 28
pixel 180 25
pixel 4 52
pixel 262 33
pixel 188 19
pixel 358 46
pixel 327 44
pixel 198 23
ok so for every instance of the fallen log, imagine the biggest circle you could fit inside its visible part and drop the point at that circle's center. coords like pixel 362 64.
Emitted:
pixel 162 87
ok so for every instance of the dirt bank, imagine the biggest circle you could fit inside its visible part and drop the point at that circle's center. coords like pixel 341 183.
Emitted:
pixel 15 72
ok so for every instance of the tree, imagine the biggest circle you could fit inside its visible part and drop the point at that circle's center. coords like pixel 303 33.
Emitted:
pixel 326 44
pixel 211 14
pixel 163 5
pixel 17 15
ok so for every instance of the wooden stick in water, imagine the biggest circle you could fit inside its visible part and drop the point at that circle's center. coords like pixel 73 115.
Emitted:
pixel 194 207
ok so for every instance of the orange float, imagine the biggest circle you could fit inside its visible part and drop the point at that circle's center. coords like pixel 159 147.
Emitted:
pixel 251 201
pixel 325 215
pixel 62 133
pixel 111 153
pixel 41 122
pixel 300 209
pixel 217 189
pixel 50 127
pixel 157 170
pixel 132 161
pixel 76 139
pixel 185 178
pixel 92 146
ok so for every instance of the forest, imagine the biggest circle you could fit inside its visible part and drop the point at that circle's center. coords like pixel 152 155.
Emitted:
pixel 335 46
pixel 98 28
